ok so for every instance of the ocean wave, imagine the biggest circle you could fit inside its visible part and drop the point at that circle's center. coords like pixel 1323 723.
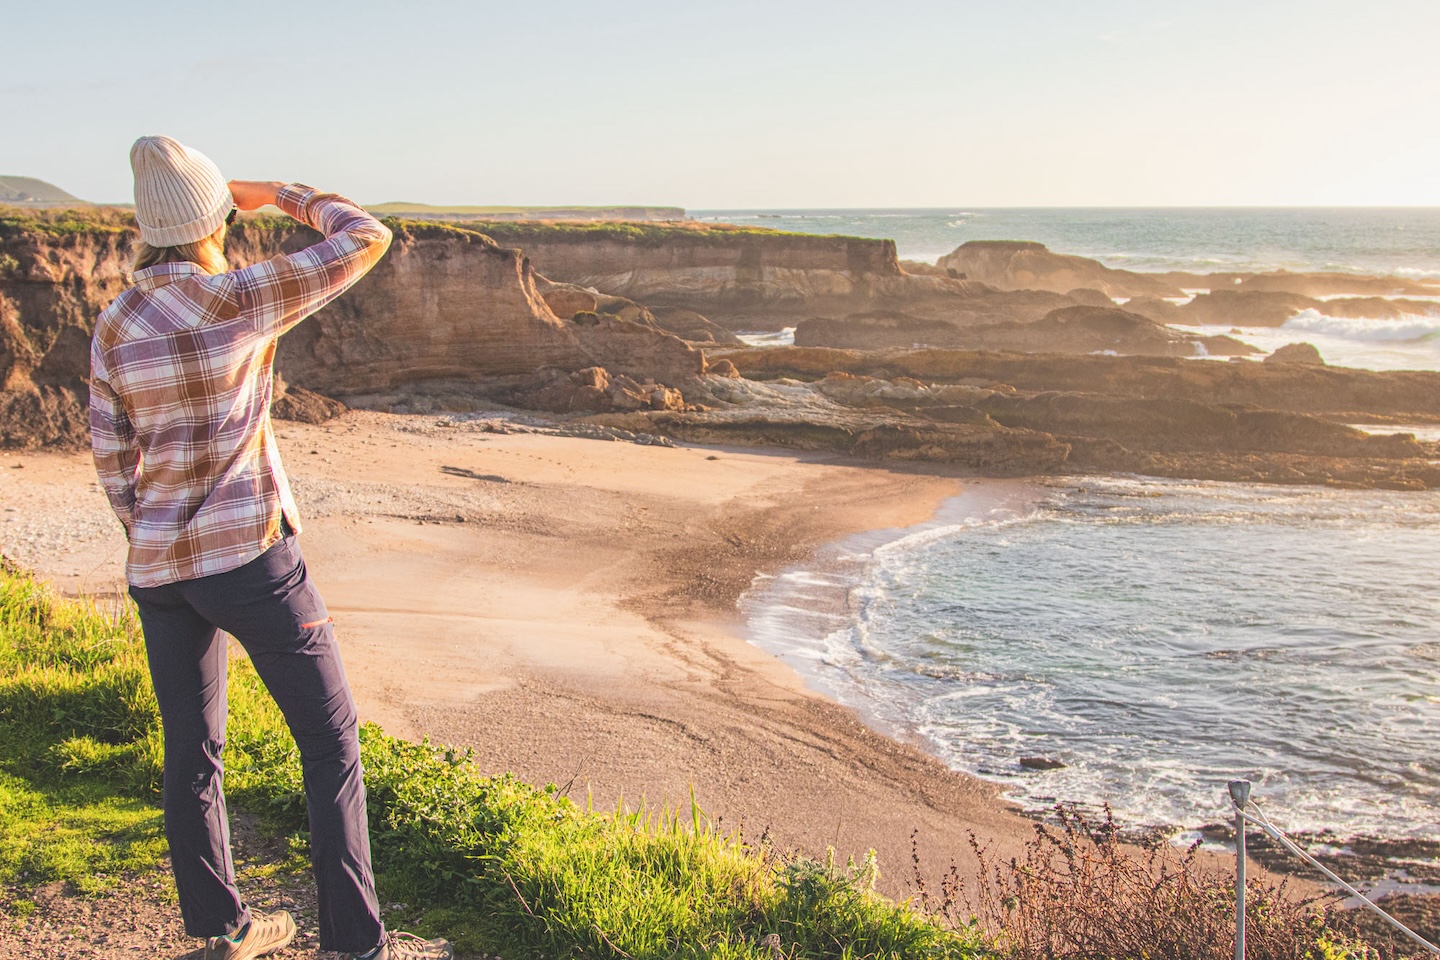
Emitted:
pixel 1000 631
pixel 902 546
pixel 1164 262
pixel 1213 261
pixel 1422 297
pixel 1408 328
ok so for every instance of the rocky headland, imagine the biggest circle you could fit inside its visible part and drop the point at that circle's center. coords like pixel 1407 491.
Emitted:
pixel 1026 265
pixel 1003 358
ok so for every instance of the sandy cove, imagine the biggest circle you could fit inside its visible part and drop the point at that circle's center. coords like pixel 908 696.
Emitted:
pixel 567 608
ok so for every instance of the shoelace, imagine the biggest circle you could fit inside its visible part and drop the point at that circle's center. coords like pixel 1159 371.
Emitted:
pixel 395 939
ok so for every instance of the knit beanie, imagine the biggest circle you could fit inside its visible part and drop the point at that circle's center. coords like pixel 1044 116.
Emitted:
pixel 180 196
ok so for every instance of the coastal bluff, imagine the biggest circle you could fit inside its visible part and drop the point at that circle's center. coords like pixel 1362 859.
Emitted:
pixel 736 275
pixel 446 305
pixel 629 326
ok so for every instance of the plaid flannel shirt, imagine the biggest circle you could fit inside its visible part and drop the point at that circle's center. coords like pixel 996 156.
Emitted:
pixel 180 394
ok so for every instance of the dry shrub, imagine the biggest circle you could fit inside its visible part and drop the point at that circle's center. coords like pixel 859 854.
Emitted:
pixel 1079 892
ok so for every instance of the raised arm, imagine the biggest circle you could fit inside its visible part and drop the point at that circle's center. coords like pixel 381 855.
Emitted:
pixel 282 291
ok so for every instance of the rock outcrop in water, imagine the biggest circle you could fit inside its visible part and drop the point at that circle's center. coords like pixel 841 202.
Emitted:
pixel 1335 284
pixel 1076 329
pixel 1297 353
pixel 1025 265
pixel 1165 417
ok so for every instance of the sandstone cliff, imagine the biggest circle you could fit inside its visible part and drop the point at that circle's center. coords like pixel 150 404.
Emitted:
pixel 732 275
pixel 753 279
pixel 57 271
pixel 446 305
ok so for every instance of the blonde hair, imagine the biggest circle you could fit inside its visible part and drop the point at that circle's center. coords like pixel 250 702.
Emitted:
pixel 207 253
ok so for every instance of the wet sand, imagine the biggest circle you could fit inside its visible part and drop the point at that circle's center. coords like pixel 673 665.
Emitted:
pixel 567 609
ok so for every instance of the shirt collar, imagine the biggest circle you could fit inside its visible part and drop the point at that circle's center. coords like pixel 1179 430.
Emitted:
pixel 163 273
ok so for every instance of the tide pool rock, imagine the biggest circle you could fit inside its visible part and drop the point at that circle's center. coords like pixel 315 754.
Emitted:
pixel 1297 353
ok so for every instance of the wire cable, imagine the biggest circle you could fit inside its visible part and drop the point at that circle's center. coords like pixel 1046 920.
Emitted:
pixel 1263 822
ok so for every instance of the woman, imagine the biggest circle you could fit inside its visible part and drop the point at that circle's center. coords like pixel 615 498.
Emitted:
pixel 180 398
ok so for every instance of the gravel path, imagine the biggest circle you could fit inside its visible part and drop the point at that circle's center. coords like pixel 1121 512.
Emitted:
pixel 139 917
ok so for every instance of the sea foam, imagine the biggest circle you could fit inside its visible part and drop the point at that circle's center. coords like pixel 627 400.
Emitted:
pixel 1404 328
pixel 1158 638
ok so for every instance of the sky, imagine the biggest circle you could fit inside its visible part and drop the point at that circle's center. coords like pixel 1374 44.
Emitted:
pixel 743 104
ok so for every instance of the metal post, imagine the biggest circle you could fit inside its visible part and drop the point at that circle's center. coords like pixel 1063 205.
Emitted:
pixel 1239 796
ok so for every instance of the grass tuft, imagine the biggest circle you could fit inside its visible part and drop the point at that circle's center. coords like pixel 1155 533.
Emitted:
pixel 519 233
pixel 62 221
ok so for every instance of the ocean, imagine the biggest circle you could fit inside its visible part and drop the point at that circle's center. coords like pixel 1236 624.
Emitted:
pixel 1139 641
pixel 1404 242
pixel 1401 240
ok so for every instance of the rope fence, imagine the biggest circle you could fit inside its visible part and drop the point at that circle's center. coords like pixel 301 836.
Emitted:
pixel 1240 800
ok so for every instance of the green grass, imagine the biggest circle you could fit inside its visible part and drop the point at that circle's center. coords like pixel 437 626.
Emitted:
pixel 518 233
pixel 62 221
pixel 401 208
pixel 86 837
pixel 496 864
pixel 436 230
pixel 58 222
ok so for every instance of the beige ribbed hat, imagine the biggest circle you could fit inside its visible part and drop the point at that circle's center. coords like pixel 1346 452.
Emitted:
pixel 180 196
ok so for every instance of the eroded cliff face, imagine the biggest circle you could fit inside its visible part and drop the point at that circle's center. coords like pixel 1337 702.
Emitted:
pixel 752 280
pixel 726 275
pixel 445 305
pixel 442 304
pixel 52 284
pixel 450 304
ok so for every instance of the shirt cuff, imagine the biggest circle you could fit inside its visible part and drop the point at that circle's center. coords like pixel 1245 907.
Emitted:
pixel 294 199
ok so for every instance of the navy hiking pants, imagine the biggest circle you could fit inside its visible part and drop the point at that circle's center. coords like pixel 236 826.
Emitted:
pixel 274 611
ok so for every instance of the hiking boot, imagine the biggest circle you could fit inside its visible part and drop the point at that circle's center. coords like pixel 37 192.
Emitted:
pixel 407 946
pixel 262 936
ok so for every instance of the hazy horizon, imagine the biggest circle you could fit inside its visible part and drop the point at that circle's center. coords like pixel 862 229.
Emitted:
pixel 755 106
pixel 442 205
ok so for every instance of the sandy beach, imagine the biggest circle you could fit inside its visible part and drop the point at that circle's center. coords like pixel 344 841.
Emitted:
pixel 567 608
